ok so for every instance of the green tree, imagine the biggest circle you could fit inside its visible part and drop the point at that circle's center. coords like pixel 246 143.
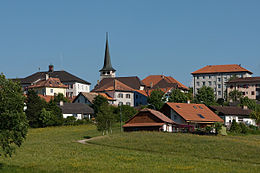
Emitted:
pixel 97 102
pixel 235 127
pixel 60 97
pixel 34 106
pixel 251 104
pixel 235 95
pixel 127 112
pixel 56 112
pixel 255 114
pixel 47 118
pixel 177 96
pixel 156 99
pixel 13 123
pixel 206 96
pixel 105 119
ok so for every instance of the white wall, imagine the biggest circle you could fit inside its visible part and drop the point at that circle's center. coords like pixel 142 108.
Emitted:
pixel 124 100
pixel 75 88
pixel 77 116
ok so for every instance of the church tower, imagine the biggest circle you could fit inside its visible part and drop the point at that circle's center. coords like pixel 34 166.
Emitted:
pixel 107 71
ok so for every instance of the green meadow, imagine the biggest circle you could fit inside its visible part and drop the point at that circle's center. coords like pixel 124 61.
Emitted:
pixel 55 149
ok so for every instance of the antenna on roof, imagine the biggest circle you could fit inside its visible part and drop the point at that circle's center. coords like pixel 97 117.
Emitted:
pixel 61 61
pixel 39 68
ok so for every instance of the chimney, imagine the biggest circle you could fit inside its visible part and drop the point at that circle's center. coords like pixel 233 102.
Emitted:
pixel 51 68
pixel 244 107
pixel 46 76
pixel 61 103
pixel 151 84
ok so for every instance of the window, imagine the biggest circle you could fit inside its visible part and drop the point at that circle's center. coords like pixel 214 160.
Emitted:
pixel 128 103
pixel 243 93
pixel 120 103
pixel 219 86
pixel 195 107
pixel 201 116
pixel 136 96
pixel 209 77
pixel 219 79
pixel 51 91
pixel 215 83
pixel 204 83
pixel 200 107
pixel 198 77
pixel 128 96
pixel 231 86
pixel 252 93
pixel 203 77
pixel 198 83
pixel 219 93
pixel 245 86
pixel 120 95
pixel 210 83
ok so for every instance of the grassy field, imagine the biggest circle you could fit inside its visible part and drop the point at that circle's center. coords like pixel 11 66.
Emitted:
pixel 55 150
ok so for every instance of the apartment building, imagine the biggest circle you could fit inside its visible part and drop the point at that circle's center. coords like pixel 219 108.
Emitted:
pixel 216 76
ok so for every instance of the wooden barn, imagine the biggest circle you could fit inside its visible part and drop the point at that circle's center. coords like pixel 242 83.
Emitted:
pixel 149 120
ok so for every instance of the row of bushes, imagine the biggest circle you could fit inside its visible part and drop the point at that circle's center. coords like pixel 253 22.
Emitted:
pixel 241 128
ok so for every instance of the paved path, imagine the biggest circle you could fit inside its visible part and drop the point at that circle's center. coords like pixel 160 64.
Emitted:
pixel 84 141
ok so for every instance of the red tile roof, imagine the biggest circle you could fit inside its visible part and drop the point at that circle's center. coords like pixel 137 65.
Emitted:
pixel 143 92
pixel 158 114
pixel 142 124
pixel 114 85
pixel 165 90
pixel 245 80
pixel 221 69
pixel 192 112
pixel 155 79
pixel 51 82
pixel 46 98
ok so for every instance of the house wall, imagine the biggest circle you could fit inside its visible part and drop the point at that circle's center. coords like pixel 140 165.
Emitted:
pixel 176 117
pixel 77 116
pixel 139 99
pixel 124 100
pixel 249 90
pixel 82 99
pixel 217 81
pixel 50 91
pixel 229 118
pixel 74 88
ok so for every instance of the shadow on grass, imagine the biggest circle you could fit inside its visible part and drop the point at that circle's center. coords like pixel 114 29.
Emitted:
pixel 170 153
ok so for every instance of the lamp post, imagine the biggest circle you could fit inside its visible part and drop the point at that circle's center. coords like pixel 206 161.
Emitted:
pixel 120 119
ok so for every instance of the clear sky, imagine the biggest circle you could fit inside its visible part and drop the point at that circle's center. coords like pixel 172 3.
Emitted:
pixel 146 37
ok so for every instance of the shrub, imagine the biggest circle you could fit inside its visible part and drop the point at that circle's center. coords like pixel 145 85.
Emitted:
pixel 244 128
pixel 235 128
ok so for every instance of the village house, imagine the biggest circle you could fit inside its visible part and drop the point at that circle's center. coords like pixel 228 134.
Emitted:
pixel 216 76
pixel 161 81
pixel 230 113
pixel 197 115
pixel 77 110
pixel 49 87
pixel 149 120
pixel 249 86
pixel 74 83
pixel 88 98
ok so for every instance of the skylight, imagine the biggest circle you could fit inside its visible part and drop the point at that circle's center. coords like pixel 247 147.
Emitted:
pixel 201 116
pixel 195 107
pixel 200 107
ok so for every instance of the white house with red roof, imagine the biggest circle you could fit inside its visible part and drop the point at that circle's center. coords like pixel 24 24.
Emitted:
pixel 49 87
pixel 216 76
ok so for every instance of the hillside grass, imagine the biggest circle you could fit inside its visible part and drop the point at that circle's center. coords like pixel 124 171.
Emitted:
pixel 56 150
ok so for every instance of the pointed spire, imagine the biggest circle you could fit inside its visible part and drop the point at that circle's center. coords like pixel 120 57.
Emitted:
pixel 107 61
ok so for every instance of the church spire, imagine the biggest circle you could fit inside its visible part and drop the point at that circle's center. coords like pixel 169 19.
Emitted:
pixel 107 71
pixel 107 61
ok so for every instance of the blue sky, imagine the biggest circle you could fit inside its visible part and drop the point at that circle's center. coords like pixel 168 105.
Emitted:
pixel 146 37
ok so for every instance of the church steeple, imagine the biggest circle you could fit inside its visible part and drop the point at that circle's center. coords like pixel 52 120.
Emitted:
pixel 107 70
